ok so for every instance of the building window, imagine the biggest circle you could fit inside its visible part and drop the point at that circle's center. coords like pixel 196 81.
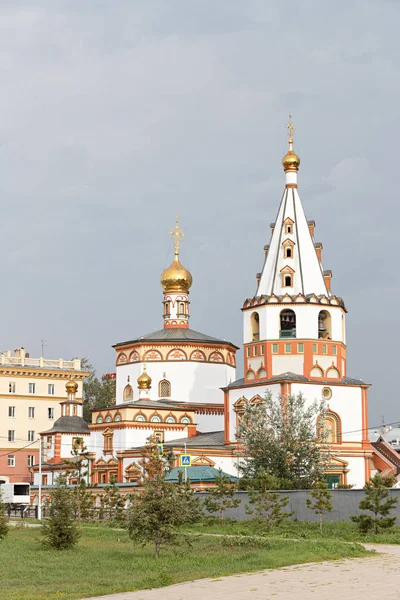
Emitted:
pixel 324 325
pixel 248 351
pixel 300 348
pixel 288 252
pixel 255 327
pixel 288 281
pixel 255 350
pixel 11 460
pixel 329 429
pixel 324 349
pixel 31 460
pixel 274 348
pixel 314 348
pixel 140 418
pixel 50 389
pixel 164 389
pixel 185 420
pixel 44 479
pixel 77 443
pixel 108 419
pixel 262 350
pixel 31 412
pixel 99 419
pixel 155 419
pixel 49 442
pixel 108 443
pixel 167 309
pixel 11 435
pixel 288 225
pixel 32 388
pixel 31 436
pixel 181 309
pixel 11 387
pixel 50 413
pixel 334 350
pixel 128 393
pixel 288 348
pixel 11 411
pixel 288 324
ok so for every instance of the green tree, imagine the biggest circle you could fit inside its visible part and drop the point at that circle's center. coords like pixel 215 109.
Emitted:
pixel 321 502
pixel 113 502
pixel 377 500
pixel 279 436
pixel 186 494
pixel 158 513
pixel 3 518
pixel 78 470
pixel 221 497
pixel 97 393
pixel 267 506
pixel 60 530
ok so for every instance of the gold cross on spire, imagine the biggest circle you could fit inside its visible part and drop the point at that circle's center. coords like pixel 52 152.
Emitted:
pixel 290 127
pixel 178 234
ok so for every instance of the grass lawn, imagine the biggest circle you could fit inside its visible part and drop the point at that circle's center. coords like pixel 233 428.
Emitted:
pixel 105 561
pixel 340 530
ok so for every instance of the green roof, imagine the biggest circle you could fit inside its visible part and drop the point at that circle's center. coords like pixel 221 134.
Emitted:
pixel 197 474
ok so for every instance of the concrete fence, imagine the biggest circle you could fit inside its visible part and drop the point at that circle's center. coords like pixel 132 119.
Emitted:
pixel 344 504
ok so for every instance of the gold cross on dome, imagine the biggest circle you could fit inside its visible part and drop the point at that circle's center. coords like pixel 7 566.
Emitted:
pixel 178 234
pixel 290 127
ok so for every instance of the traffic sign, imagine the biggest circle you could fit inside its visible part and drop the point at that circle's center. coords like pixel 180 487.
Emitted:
pixel 160 448
pixel 185 460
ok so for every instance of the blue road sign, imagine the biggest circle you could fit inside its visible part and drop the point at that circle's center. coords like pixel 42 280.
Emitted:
pixel 185 460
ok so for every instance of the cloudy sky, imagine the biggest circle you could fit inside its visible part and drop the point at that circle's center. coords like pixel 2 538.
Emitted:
pixel 116 115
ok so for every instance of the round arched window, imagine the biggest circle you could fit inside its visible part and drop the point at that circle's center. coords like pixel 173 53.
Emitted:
pixel 140 418
pixel 155 419
pixel 99 419
pixel 117 418
pixel 170 419
pixel 185 420
pixel 108 419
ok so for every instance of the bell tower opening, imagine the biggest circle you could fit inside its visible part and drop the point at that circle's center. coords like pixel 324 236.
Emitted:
pixel 288 324
pixel 324 325
pixel 255 327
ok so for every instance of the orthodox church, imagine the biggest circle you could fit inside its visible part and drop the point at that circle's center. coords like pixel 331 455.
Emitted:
pixel 180 385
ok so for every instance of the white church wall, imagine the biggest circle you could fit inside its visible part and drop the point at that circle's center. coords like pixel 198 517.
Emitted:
pixel 209 422
pixel 356 475
pixel 283 364
pixel 190 381
pixel 248 393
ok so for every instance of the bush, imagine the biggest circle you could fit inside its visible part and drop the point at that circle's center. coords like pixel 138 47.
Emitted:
pixel 60 531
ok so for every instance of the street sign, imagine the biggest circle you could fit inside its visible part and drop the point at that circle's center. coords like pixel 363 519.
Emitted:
pixel 185 460
pixel 160 448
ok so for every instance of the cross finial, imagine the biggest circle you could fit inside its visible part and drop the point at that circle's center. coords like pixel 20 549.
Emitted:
pixel 290 127
pixel 178 234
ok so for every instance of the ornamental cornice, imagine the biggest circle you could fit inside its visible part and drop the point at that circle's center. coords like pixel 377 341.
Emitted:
pixel 297 299
pixel 7 371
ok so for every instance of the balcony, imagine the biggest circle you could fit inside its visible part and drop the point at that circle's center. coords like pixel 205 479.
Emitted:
pixel 287 333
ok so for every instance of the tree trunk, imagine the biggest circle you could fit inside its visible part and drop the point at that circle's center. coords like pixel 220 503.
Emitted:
pixel 78 507
pixel 320 524
pixel 157 546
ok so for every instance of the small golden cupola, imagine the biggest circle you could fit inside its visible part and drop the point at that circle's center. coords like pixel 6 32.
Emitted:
pixel 176 281
pixel 71 387
pixel 144 380
pixel 290 161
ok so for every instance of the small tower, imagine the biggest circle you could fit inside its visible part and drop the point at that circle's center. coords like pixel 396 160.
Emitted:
pixel 144 385
pixel 176 282
pixel 71 407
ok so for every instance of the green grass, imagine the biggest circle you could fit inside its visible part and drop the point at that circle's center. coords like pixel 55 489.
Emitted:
pixel 340 530
pixel 105 561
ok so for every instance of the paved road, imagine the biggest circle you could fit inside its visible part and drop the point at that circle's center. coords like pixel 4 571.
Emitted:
pixel 371 578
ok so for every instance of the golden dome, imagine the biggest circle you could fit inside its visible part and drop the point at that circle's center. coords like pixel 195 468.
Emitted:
pixel 144 380
pixel 176 278
pixel 290 161
pixel 71 387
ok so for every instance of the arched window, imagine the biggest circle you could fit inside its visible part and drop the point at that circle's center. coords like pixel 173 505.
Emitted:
pixel 167 310
pixel 170 419
pixel 117 417
pixel 255 326
pixel 288 324
pixel 288 252
pixel 324 325
pixel 185 420
pixel 99 419
pixel 181 308
pixel 140 418
pixel 316 371
pixel 333 373
pixel 329 429
pixel 250 374
pixel 164 389
pixel 108 419
pixel 128 393
pixel 155 419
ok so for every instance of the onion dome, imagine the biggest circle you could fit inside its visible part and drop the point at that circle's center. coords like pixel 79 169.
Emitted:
pixel 144 380
pixel 71 387
pixel 176 278
pixel 290 161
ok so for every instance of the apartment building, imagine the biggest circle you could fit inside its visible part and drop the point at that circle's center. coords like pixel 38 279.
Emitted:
pixel 31 390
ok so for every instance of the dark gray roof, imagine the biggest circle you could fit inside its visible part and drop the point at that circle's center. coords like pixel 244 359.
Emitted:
pixel 69 425
pixel 178 335
pixel 212 439
pixel 295 377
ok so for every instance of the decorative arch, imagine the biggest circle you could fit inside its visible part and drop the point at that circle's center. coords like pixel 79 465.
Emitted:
pixel 185 420
pixel 139 417
pixel 240 405
pixel 153 355
pixel 134 356
pixel 117 417
pixel 128 393
pixel 261 373
pixel 170 418
pixel 132 473
pixel 197 355
pixel 324 325
pixel 164 388
pixel 329 428
pixel 333 373
pixel 216 357
pixel 176 354
pixel 155 417
pixel 255 326
pixel 202 460
pixel 317 371
pixel 121 359
pixel 108 435
pixel 256 400
pixel 99 419
pixel 250 375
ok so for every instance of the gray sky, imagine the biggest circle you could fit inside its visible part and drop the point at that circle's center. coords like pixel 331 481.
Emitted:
pixel 115 115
